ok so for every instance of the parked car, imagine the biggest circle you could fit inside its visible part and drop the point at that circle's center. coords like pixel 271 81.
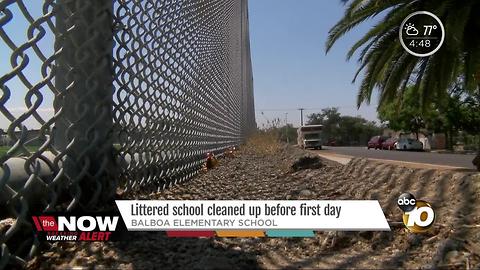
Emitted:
pixel 332 142
pixel 409 144
pixel 389 144
pixel 376 142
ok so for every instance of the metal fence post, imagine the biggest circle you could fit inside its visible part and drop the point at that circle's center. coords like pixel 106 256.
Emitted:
pixel 84 80
pixel 182 87
pixel 247 76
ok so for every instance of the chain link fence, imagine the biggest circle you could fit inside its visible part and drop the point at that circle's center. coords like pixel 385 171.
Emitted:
pixel 98 95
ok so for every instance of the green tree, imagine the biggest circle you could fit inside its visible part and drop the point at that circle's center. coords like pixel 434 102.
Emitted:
pixel 462 113
pixel 355 130
pixel 451 110
pixel 390 69
pixel 330 119
pixel 287 134
pixel 456 111
pixel 345 130
pixel 405 114
pixel 470 110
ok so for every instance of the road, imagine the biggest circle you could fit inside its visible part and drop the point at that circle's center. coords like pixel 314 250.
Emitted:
pixel 453 160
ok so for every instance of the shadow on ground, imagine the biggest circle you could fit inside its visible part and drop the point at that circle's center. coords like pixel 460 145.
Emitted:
pixel 148 250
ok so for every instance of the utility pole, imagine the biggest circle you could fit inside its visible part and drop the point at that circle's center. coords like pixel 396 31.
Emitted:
pixel 286 127
pixel 301 116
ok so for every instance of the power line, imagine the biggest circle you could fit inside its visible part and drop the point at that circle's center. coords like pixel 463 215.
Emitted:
pixel 306 109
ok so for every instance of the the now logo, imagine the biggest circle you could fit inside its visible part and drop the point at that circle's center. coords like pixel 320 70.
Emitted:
pixel 76 228
pixel 73 223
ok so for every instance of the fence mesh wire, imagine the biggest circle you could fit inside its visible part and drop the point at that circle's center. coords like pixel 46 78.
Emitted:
pixel 99 94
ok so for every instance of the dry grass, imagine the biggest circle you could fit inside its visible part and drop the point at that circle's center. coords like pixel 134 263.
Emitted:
pixel 264 143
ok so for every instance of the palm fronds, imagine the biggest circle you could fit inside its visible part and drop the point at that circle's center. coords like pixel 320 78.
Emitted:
pixel 387 67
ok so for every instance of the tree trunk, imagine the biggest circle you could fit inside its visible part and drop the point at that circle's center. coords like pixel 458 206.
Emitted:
pixel 448 140
pixel 451 139
pixel 476 160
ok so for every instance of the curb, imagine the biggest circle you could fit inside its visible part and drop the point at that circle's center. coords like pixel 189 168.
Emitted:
pixel 345 159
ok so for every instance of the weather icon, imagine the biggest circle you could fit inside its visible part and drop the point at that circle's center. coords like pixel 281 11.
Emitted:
pixel 411 30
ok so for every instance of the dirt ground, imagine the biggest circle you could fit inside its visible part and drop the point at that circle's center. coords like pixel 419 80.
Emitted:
pixel 263 171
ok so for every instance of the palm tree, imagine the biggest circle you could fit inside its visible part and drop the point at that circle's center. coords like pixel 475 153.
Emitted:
pixel 388 68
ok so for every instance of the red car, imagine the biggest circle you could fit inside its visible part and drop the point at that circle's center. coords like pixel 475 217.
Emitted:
pixel 389 144
pixel 376 142
pixel 332 142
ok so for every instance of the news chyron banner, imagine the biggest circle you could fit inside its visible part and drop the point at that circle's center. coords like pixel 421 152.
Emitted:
pixel 270 217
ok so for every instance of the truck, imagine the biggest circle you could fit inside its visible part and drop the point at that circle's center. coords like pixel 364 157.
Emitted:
pixel 310 136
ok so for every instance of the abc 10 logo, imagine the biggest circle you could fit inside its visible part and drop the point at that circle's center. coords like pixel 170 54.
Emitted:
pixel 418 215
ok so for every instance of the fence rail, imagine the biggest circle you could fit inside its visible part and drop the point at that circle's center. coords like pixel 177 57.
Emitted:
pixel 100 94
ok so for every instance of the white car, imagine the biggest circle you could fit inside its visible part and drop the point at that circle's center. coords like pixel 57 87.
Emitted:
pixel 408 144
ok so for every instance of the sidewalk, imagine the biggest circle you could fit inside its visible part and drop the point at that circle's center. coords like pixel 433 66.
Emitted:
pixel 443 151
pixel 345 159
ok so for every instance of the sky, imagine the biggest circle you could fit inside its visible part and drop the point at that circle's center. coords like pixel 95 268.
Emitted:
pixel 290 67
pixel 16 30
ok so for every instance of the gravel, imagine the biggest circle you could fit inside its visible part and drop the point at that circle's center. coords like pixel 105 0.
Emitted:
pixel 255 174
